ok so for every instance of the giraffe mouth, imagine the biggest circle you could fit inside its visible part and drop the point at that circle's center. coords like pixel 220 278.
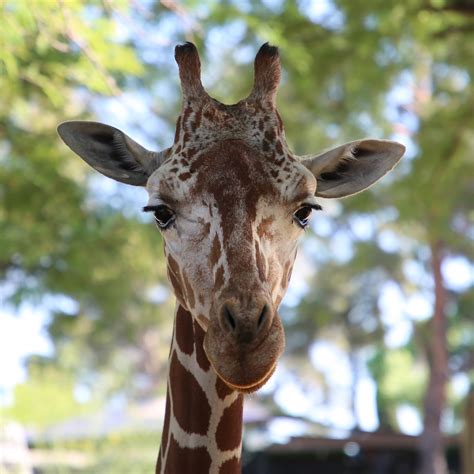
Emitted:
pixel 242 368
pixel 248 388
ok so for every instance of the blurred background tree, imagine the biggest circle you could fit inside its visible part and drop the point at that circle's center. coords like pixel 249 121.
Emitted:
pixel 386 279
pixel 61 239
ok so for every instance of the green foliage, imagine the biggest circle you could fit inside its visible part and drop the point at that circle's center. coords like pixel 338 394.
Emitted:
pixel 120 453
pixel 125 453
pixel 49 46
pixel 46 398
pixel 401 379
pixel 58 236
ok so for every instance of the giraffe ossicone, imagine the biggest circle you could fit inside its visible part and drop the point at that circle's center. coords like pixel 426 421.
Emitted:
pixel 231 201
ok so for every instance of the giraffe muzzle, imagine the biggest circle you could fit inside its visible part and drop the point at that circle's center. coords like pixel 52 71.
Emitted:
pixel 245 324
pixel 244 343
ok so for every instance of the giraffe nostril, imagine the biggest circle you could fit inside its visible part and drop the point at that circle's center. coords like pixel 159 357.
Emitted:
pixel 245 322
pixel 262 316
pixel 229 318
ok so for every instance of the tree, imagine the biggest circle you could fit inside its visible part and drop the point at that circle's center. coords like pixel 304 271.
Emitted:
pixel 59 237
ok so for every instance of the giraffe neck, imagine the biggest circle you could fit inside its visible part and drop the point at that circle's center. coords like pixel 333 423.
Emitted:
pixel 202 432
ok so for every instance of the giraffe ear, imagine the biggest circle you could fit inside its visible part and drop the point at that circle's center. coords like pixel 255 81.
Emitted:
pixel 352 167
pixel 110 151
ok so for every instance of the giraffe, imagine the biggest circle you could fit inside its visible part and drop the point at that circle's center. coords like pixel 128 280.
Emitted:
pixel 230 200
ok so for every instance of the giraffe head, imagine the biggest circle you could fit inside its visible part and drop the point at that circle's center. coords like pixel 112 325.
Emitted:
pixel 231 201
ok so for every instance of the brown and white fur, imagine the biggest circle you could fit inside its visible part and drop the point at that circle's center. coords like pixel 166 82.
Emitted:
pixel 231 201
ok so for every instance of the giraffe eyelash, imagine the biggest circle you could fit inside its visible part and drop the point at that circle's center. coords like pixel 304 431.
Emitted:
pixel 302 214
pixel 151 208
pixel 313 205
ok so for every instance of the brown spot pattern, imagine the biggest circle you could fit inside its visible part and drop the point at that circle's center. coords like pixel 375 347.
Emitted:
pixel 184 331
pixel 208 114
pixel 280 161
pixel 184 176
pixel 201 356
pixel 166 425
pixel 229 429
pixel 176 284
pixel 197 120
pixel 186 114
pixel 181 460
pixel 190 406
pixel 231 466
pixel 280 121
pixel 219 279
pixel 191 152
pixel 215 251
pixel 264 228
pixel 222 388
pixel 270 135
pixel 189 291
pixel 279 147
pixel 173 265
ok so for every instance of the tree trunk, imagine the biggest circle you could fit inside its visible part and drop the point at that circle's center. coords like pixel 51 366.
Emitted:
pixel 433 459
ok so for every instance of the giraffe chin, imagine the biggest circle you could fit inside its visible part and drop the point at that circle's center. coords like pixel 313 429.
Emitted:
pixel 242 368
pixel 249 388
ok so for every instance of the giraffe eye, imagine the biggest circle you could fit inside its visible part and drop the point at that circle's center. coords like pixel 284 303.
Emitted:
pixel 164 216
pixel 301 216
